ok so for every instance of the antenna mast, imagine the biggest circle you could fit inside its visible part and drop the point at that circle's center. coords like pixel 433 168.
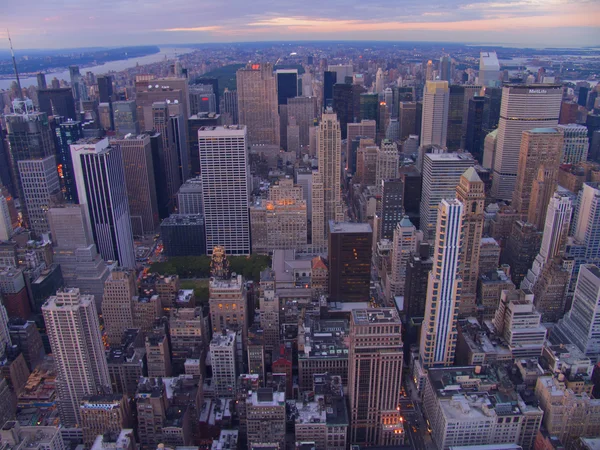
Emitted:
pixel 20 95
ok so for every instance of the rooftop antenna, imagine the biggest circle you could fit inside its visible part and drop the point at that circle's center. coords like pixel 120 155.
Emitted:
pixel 15 66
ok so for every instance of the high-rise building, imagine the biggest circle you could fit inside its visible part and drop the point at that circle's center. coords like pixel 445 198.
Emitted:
pixel 346 104
pixel 473 142
pixel 43 437
pixel 364 128
pixel 222 355
pixel 438 334
pixel 58 102
pixel 470 192
pixel 327 202
pixel 257 103
pixel 125 118
pixel 100 179
pixel 392 207
pixel 446 68
pixel 522 246
pixel 168 159
pixel 441 176
pixel 369 105
pixel 183 235
pixel 117 308
pixel 39 180
pixel 524 107
pixel 287 85
pixel 139 180
pixel 375 377
pixel 456 117
pixel 329 80
pixel 228 305
pixel 583 319
pixel 224 173
pixel 408 120
pixel 576 143
pixel 519 324
pixel 100 414
pixel 230 105
pixel 404 245
pixel 350 246
pixel 388 161
pixel 417 277
pixel 304 111
pixel 172 90
pixel 537 174
pixel 29 137
pixel 105 88
pixel 67 133
pixel 189 197
pixel 75 250
pixel 75 339
pixel 6 228
pixel 489 69
pixel 78 87
pixel 434 123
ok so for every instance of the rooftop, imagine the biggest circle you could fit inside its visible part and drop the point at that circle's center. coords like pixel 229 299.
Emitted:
pixel 375 316
pixel 349 227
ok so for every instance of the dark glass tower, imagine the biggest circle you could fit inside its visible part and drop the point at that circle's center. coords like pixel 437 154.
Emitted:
pixel 329 79
pixel 475 136
pixel 455 117
pixel 391 207
pixel 105 88
pixel 57 102
pixel 369 106
pixel 287 85
pixel 67 133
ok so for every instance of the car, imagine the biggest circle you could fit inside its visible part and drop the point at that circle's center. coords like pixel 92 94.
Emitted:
pixel 414 429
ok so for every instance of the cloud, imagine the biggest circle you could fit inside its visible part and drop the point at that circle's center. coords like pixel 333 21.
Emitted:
pixel 210 28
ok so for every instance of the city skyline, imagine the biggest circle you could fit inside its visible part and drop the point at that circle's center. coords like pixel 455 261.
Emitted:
pixel 551 23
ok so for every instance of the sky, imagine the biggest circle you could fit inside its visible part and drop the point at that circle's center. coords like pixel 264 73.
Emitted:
pixel 87 23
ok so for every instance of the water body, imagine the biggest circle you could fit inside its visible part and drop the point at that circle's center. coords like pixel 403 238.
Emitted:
pixel 116 66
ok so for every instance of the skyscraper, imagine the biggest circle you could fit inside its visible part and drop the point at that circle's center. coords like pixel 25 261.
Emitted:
pixel 408 119
pixel 329 80
pixel 523 107
pixel 168 157
pixel 581 323
pixel 58 102
pixel 100 179
pixel 125 117
pixel 392 207
pixel 105 88
pixel 287 85
pixel 434 124
pixel 257 103
pixel 117 307
pixel 230 105
pixel 75 250
pixel 489 69
pixel 537 174
pixel 139 178
pixel 475 133
pixel 379 81
pixel 441 176
pixel 76 342
pixel 223 167
pixel 576 143
pixel 349 250
pixel 327 202
pixel 39 180
pixel 78 86
pixel 405 244
pixel 304 110
pixel 456 117
pixel 375 376
pixel 189 197
pixel 470 192
pixel 438 333
pixel 388 161
pixel 67 133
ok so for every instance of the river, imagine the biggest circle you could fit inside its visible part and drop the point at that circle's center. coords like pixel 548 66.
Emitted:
pixel 165 52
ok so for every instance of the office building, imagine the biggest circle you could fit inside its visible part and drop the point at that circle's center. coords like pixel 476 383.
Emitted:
pixel 519 324
pixel 29 137
pixel 537 174
pixel 26 336
pixel 183 235
pixel 364 129
pixel 404 245
pixel 103 414
pixel 392 207
pixel 230 105
pixel 228 305
pixel 81 368
pixel 101 186
pixel 105 88
pixel 222 357
pixel 57 102
pixel 304 111
pixel 139 180
pixel 78 87
pixel 67 133
pixel 223 164
pixel 576 143
pixel 568 415
pixel 441 175
pixel 202 99
pixel 434 124
pixel 470 192
pixel 257 103
pixel 438 333
pixel 279 222
pixel 39 180
pixel 554 239
pixel 125 118
pixel 369 105
pixel 287 85
pixel 388 161
pixel 417 277
pixel 126 362
pixel 158 353
pixel 456 117
pixel 522 246
pixel 327 202
pixel 75 250
pixel 329 80
pixel 489 69
pixel 581 323
pixel 374 378
pixel 408 119
pixel 349 257
pixel 189 197
pixel 473 142
pixel 524 107
pixel 117 308
pixel 266 418
pixel 168 157
pixel 467 409
pixel 172 90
